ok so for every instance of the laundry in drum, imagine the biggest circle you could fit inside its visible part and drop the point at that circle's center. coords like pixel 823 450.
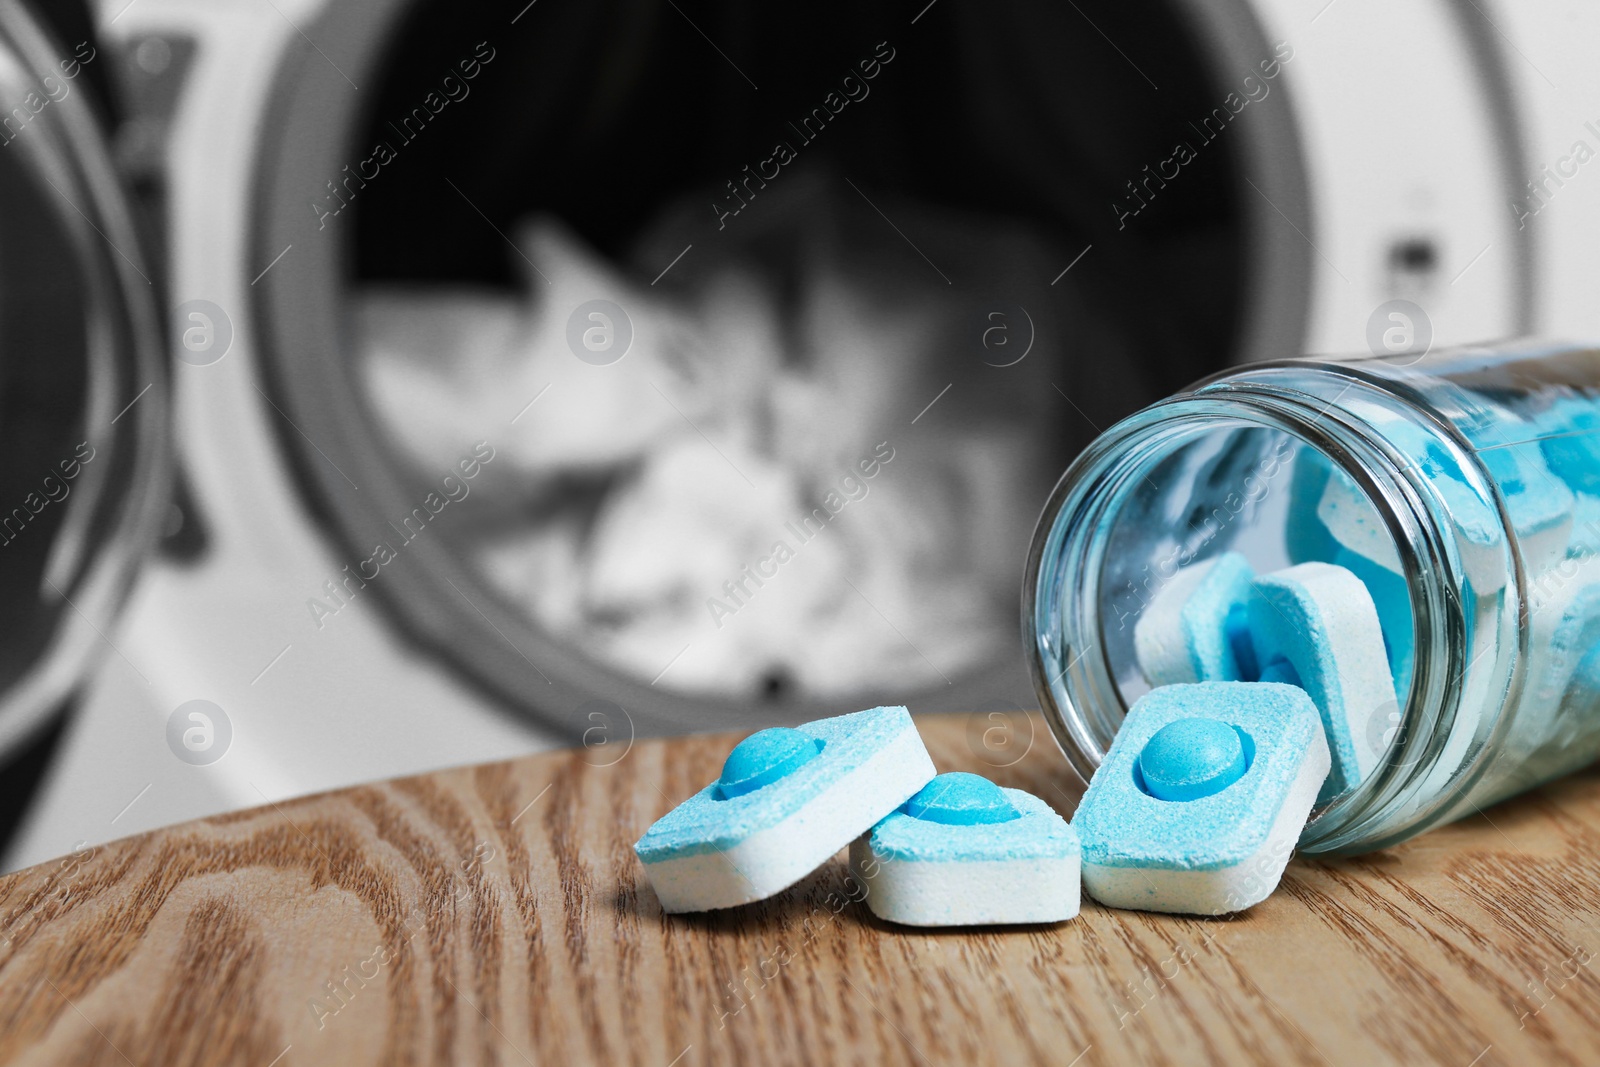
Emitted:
pixel 710 497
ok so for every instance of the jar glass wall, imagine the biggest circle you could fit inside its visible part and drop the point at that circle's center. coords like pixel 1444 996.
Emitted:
pixel 1461 488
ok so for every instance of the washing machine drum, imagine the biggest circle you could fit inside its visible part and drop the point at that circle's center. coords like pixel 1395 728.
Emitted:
pixel 713 360
pixel 83 413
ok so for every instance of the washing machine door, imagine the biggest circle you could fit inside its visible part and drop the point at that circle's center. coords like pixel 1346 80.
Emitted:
pixel 752 377
pixel 83 414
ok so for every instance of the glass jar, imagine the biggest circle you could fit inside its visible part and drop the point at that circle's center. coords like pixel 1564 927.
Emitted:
pixel 1462 487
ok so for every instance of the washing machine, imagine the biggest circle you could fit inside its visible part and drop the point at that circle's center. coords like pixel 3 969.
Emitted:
pixel 443 382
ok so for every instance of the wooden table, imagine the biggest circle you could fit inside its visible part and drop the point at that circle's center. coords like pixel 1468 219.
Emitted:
pixel 496 914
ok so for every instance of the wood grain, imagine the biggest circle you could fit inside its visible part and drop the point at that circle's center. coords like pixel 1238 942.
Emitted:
pixel 496 914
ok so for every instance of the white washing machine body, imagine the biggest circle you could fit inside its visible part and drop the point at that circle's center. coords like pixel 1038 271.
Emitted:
pixel 1417 124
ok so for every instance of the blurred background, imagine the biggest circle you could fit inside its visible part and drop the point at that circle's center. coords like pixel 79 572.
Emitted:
pixel 396 384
